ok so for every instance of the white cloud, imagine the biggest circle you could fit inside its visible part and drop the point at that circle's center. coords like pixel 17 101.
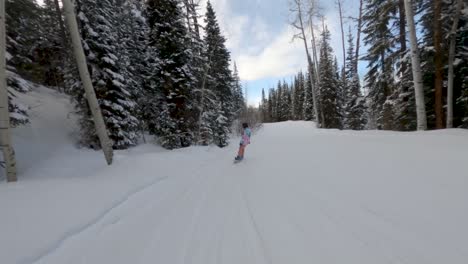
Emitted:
pixel 258 53
pixel 280 57
pixel 235 31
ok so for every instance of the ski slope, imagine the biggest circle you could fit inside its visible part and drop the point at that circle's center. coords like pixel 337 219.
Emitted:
pixel 302 195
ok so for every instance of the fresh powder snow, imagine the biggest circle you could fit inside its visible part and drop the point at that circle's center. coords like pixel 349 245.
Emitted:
pixel 301 195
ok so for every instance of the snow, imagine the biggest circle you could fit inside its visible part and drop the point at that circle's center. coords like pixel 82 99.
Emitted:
pixel 457 62
pixel 302 195
pixel 465 11
pixel 108 60
pixel 19 83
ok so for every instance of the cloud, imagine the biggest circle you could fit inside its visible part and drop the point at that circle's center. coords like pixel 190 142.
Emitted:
pixel 258 52
pixel 280 57
pixel 234 32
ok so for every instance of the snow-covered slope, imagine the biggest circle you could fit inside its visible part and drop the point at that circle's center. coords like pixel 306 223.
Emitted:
pixel 302 195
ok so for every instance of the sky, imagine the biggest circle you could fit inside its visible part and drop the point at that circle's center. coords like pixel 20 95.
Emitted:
pixel 259 38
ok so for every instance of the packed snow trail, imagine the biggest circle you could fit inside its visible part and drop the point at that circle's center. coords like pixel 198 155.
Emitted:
pixel 301 195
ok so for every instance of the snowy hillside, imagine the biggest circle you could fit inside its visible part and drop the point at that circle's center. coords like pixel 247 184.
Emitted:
pixel 302 195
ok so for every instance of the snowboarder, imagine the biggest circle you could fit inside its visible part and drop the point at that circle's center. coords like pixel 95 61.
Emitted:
pixel 245 140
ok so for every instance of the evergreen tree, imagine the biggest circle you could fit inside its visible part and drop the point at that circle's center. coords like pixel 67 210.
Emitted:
pixel 239 101
pixel 354 107
pixel 283 102
pixel 379 78
pixel 219 77
pixel 404 106
pixel 279 102
pixel 274 105
pixel 23 18
pixel 138 58
pixel 340 93
pixel 299 97
pixel 264 107
pixel 308 109
pixel 270 106
pixel 328 84
pixel 168 111
pixel 52 47
pixel 429 54
pixel 104 55
pixel 201 97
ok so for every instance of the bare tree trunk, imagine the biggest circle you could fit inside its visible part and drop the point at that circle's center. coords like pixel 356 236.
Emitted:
pixel 342 42
pixel 416 66
pixel 312 11
pixel 187 15
pixel 439 75
pixel 309 59
pixel 101 129
pixel 62 26
pixel 453 39
pixel 195 18
pixel 401 7
pixel 314 52
pixel 358 38
pixel 5 139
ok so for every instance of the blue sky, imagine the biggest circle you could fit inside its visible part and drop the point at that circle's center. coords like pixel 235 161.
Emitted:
pixel 260 39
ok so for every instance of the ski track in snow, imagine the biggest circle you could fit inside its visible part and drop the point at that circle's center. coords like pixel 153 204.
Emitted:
pixel 94 222
pixel 302 195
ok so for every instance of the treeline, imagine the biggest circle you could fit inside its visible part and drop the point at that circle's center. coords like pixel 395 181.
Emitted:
pixel 153 67
pixel 342 104
pixel 389 98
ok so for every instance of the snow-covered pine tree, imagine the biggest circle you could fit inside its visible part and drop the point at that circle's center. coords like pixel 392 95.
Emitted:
pixel 293 98
pixel 284 102
pixel 138 58
pixel 239 101
pixel 23 19
pixel 379 78
pixel 279 102
pixel 460 112
pixel 219 75
pixel 288 100
pixel 274 105
pixel 22 35
pixel 168 113
pixel 340 92
pixel 199 67
pixel 354 107
pixel 52 47
pixel 328 84
pixel 100 34
pixel 211 121
pixel 270 106
pixel 264 107
pixel 299 97
pixel 308 109
pixel 404 108
pixel 301 94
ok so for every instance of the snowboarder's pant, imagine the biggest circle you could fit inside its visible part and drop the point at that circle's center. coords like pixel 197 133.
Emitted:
pixel 241 150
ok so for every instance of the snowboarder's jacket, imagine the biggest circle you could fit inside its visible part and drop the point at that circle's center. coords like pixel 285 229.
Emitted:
pixel 245 140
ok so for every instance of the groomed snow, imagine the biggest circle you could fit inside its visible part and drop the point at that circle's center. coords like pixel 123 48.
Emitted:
pixel 302 195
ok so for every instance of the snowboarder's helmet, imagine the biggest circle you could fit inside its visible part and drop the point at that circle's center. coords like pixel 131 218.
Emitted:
pixel 245 125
